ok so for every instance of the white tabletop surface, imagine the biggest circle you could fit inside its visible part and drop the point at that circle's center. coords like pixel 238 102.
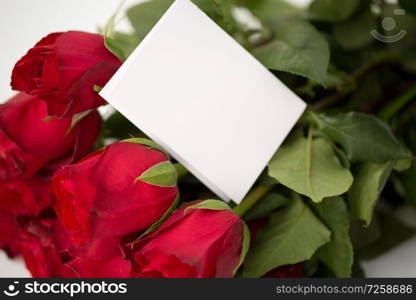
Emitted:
pixel 24 22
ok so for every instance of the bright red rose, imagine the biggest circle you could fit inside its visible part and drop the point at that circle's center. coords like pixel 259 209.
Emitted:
pixel 62 68
pixel 203 239
pixel 28 142
pixel 102 196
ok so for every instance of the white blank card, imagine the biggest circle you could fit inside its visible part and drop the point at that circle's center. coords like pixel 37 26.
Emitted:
pixel 200 95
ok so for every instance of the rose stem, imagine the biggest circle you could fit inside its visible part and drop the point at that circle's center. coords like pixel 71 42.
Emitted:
pixel 180 170
pixel 252 198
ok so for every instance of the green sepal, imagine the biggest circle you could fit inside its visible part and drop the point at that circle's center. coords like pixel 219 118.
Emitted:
pixel 162 174
pixel 149 143
pixel 97 88
pixel 245 247
pixel 76 118
pixel 210 204
pixel 47 119
pixel 162 219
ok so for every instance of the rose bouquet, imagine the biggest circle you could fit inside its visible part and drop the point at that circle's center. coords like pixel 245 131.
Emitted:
pixel 85 197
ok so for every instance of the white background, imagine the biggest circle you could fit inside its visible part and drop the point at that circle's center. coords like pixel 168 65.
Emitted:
pixel 24 22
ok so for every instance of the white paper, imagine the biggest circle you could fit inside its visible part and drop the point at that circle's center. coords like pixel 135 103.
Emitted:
pixel 200 95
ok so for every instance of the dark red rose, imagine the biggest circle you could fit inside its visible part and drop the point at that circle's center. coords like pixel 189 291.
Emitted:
pixel 63 68
pixel 102 196
pixel 288 271
pixel 25 197
pixel 21 198
pixel 255 227
pixel 203 239
pixel 45 246
pixel 48 252
pixel 28 142
pixel 8 233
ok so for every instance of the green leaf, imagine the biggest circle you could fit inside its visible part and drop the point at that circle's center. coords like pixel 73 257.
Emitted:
pixel 333 10
pixel 145 15
pixel 121 44
pixel 402 165
pixel 208 6
pixel 292 235
pixel 369 182
pixel 409 183
pixel 162 174
pixel 355 34
pixel 361 236
pixel 393 233
pixel 271 10
pixel 116 42
pixel 119 127
pixel 403 49
pixel 265 206
pixel 396 105
pixel 210 204
pixel 298 48
pixel 409 5
pixel 357 269
pixel 363 137
pixel 143 141
pixel 311 168
pixel 338 253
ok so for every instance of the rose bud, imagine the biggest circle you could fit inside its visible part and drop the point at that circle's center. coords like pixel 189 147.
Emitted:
pixel 202 239
pixel 28 141
pixel 119 190
pixel 63 68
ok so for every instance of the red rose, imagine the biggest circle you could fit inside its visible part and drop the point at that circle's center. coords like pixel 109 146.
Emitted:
pixel 8 233
pixel 48 252
pixel 44 246
pixel 203 239
pixel 103 196
pixel 115 266
pixel 25 197
pixel 28 142
pixel 63 68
